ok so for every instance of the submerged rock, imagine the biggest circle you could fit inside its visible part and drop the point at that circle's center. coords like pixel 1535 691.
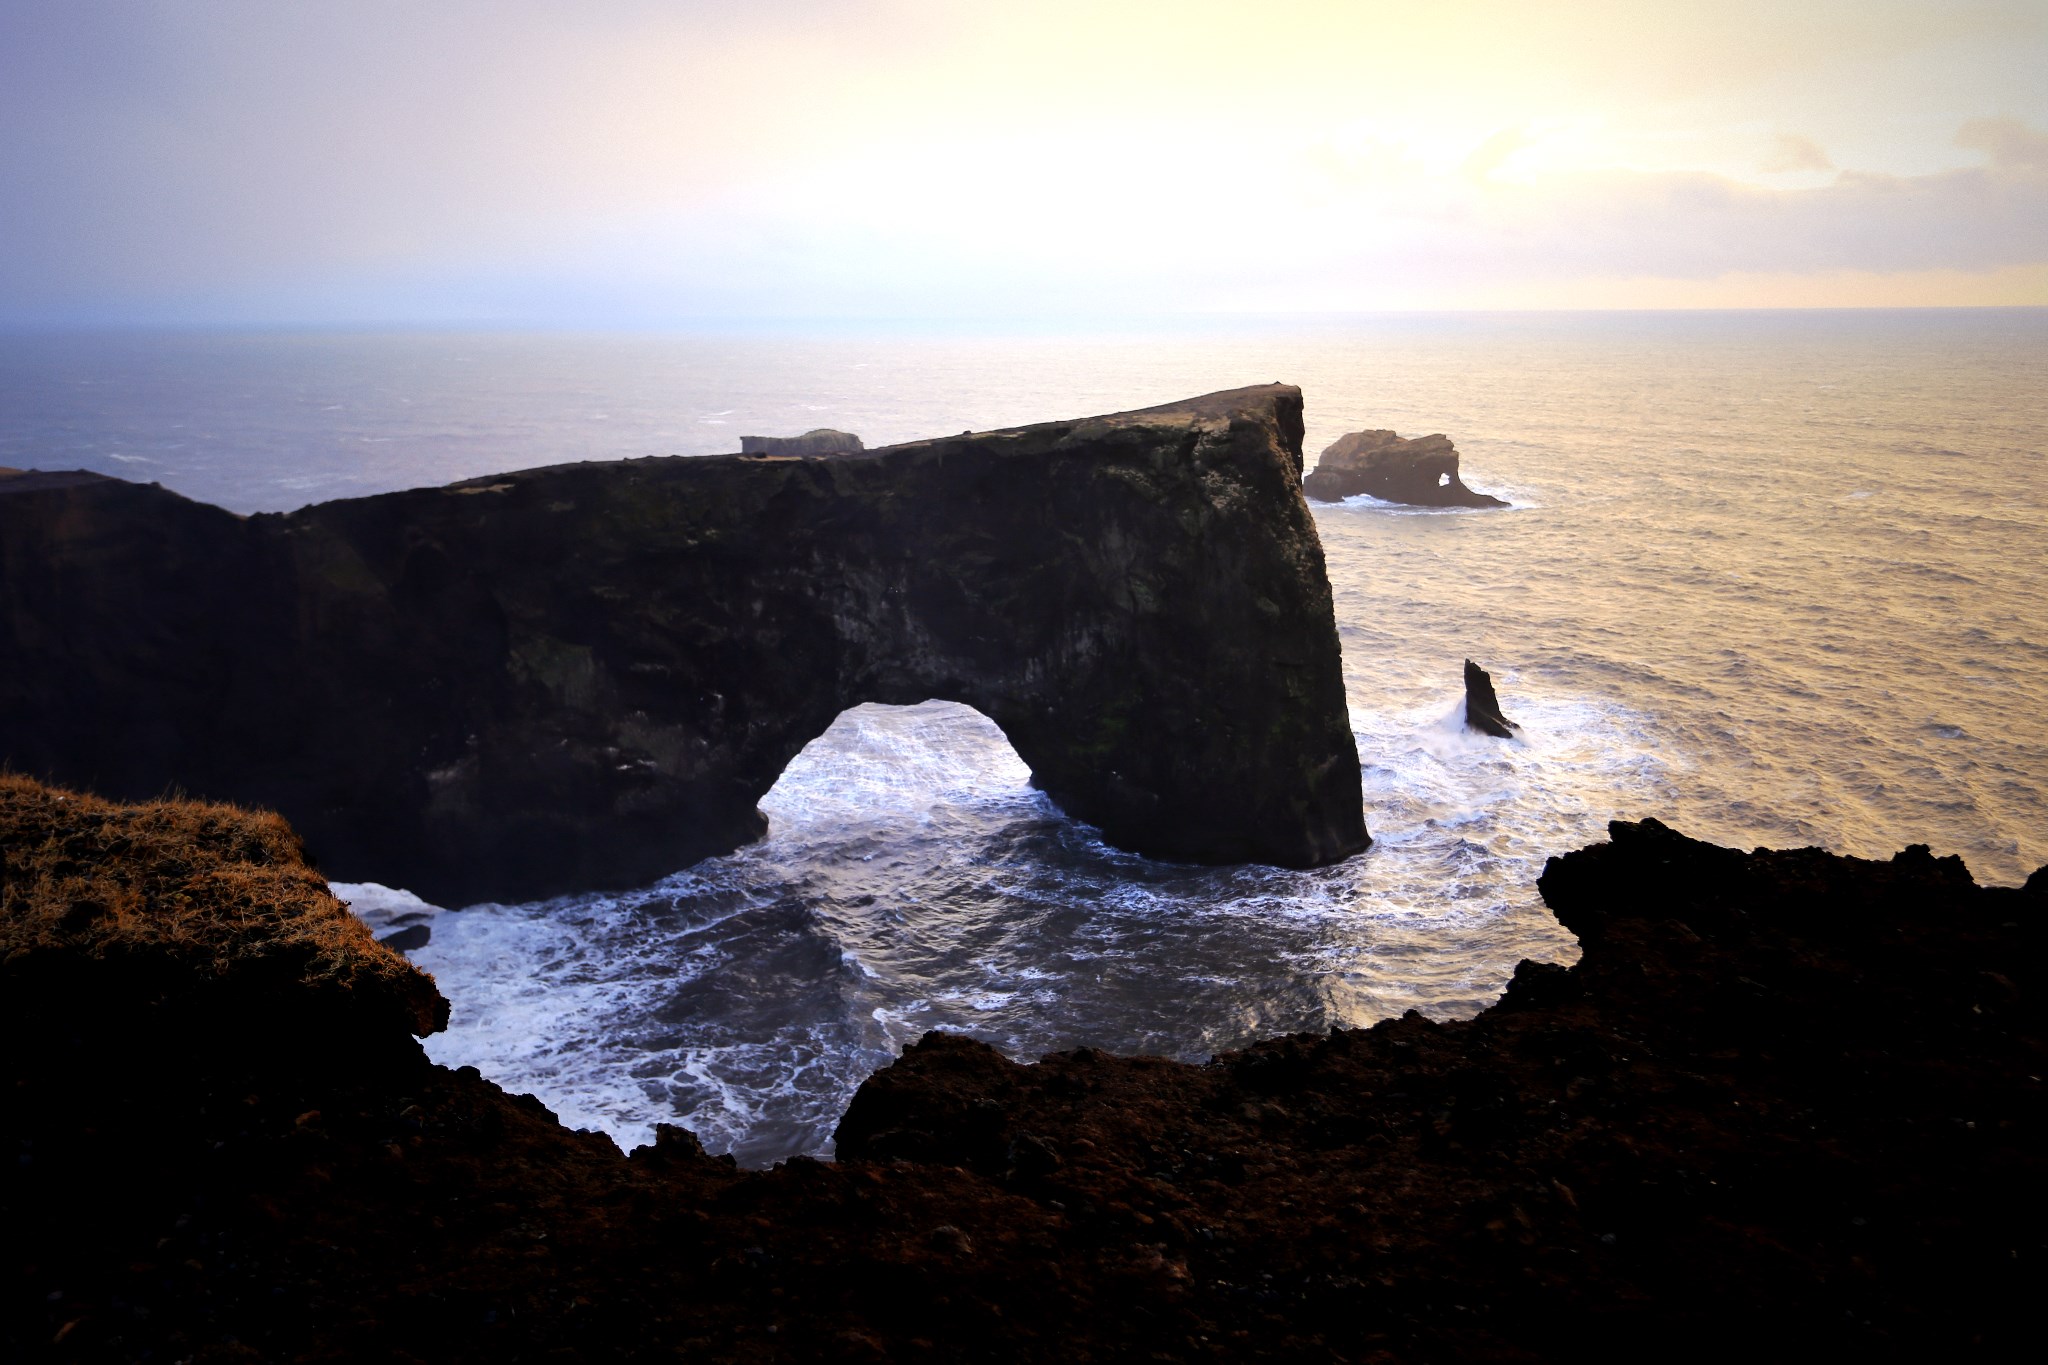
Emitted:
pixel 1482 707
pixel 406 939
pixel 586 676
pixel 818 441
pixel 1422 471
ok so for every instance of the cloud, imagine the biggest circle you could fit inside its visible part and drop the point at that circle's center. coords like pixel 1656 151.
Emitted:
pixel 1694 226
pixel 1792 152
pixel 2011 144
pixel 1490 154
pixel 364 159
pixel 1406 244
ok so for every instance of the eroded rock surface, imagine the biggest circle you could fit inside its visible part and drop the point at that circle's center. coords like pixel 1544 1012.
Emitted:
pixel 1422 471
pixel 817 441
pixel 586 676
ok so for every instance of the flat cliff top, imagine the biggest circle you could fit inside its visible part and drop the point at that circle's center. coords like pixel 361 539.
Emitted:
pixel 1276 405
pixel 40 480
pixel 1372 447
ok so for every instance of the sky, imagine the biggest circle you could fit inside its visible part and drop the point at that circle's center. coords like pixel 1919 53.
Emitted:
pixel 635 163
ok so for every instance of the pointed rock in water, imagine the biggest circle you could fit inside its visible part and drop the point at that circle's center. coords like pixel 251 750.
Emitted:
pixel 1422 471
pixel 587 676
pixel 819 441
pixel 1482 708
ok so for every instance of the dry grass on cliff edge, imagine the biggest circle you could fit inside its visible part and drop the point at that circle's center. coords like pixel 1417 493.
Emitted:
pixel 213 889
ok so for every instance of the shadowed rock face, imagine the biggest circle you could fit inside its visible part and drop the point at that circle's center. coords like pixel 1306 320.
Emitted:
pixel 587 675
pixel 1422 471
pixel 1482 707
pixel 820 441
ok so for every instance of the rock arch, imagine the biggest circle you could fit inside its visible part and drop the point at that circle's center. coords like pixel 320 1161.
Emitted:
pixel 900 763
pixel 587 675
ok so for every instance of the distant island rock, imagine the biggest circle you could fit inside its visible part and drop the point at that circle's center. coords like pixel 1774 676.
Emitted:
pixel 1422 471
pixel 818 441
pixel 1482 707
pixel 587 676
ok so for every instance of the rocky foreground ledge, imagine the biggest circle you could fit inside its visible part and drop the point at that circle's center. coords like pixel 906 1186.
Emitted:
pixel 1788 1104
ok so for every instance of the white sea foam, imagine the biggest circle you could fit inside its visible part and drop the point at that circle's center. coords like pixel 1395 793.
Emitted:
pixel 1517 500
pixel 912 879
pixel 385 908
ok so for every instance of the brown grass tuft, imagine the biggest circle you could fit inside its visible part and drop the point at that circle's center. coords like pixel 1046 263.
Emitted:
pixel 215 890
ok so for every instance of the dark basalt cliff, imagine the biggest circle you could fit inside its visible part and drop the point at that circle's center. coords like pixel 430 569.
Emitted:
pixel 1422 471
pixel 587 675
pixel 1789 1105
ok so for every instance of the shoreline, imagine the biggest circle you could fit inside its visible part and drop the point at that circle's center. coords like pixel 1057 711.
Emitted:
pixel 1784 1096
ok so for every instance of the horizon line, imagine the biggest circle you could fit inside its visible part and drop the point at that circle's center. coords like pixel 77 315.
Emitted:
pixel 842 322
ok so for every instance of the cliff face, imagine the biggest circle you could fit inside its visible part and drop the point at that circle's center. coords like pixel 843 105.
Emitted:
pixel 588 675
pixel 1422 471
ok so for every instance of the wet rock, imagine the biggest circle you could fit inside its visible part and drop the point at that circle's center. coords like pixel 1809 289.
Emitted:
pixel 1482 707
pixel 1422 471
pixel 587 676
pixel 672 1143
pixel 818 441
pixel 406 939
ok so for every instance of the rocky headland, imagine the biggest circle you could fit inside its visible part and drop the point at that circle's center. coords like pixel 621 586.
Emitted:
pixel 587 676
pixel 1788 1104
pixel 1422 470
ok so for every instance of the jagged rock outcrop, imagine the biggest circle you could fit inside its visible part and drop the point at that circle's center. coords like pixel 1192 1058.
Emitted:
pixel 1482 707
pixel 587 675
pixel 818 441
pixel 1422 471
pixel 1784 1098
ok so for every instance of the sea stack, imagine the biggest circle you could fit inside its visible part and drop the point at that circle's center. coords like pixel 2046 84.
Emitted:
pixel 818 441
pixel 587 676
pixel 1422 471
pixel 1482 707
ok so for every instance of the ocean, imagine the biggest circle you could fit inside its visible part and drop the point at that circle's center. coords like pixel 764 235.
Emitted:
pixel 1774 578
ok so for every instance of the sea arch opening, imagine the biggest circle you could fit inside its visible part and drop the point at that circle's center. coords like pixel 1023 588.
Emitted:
pixel 879 767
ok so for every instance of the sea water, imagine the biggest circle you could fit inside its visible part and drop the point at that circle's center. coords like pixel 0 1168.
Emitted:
pixel 1774 578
